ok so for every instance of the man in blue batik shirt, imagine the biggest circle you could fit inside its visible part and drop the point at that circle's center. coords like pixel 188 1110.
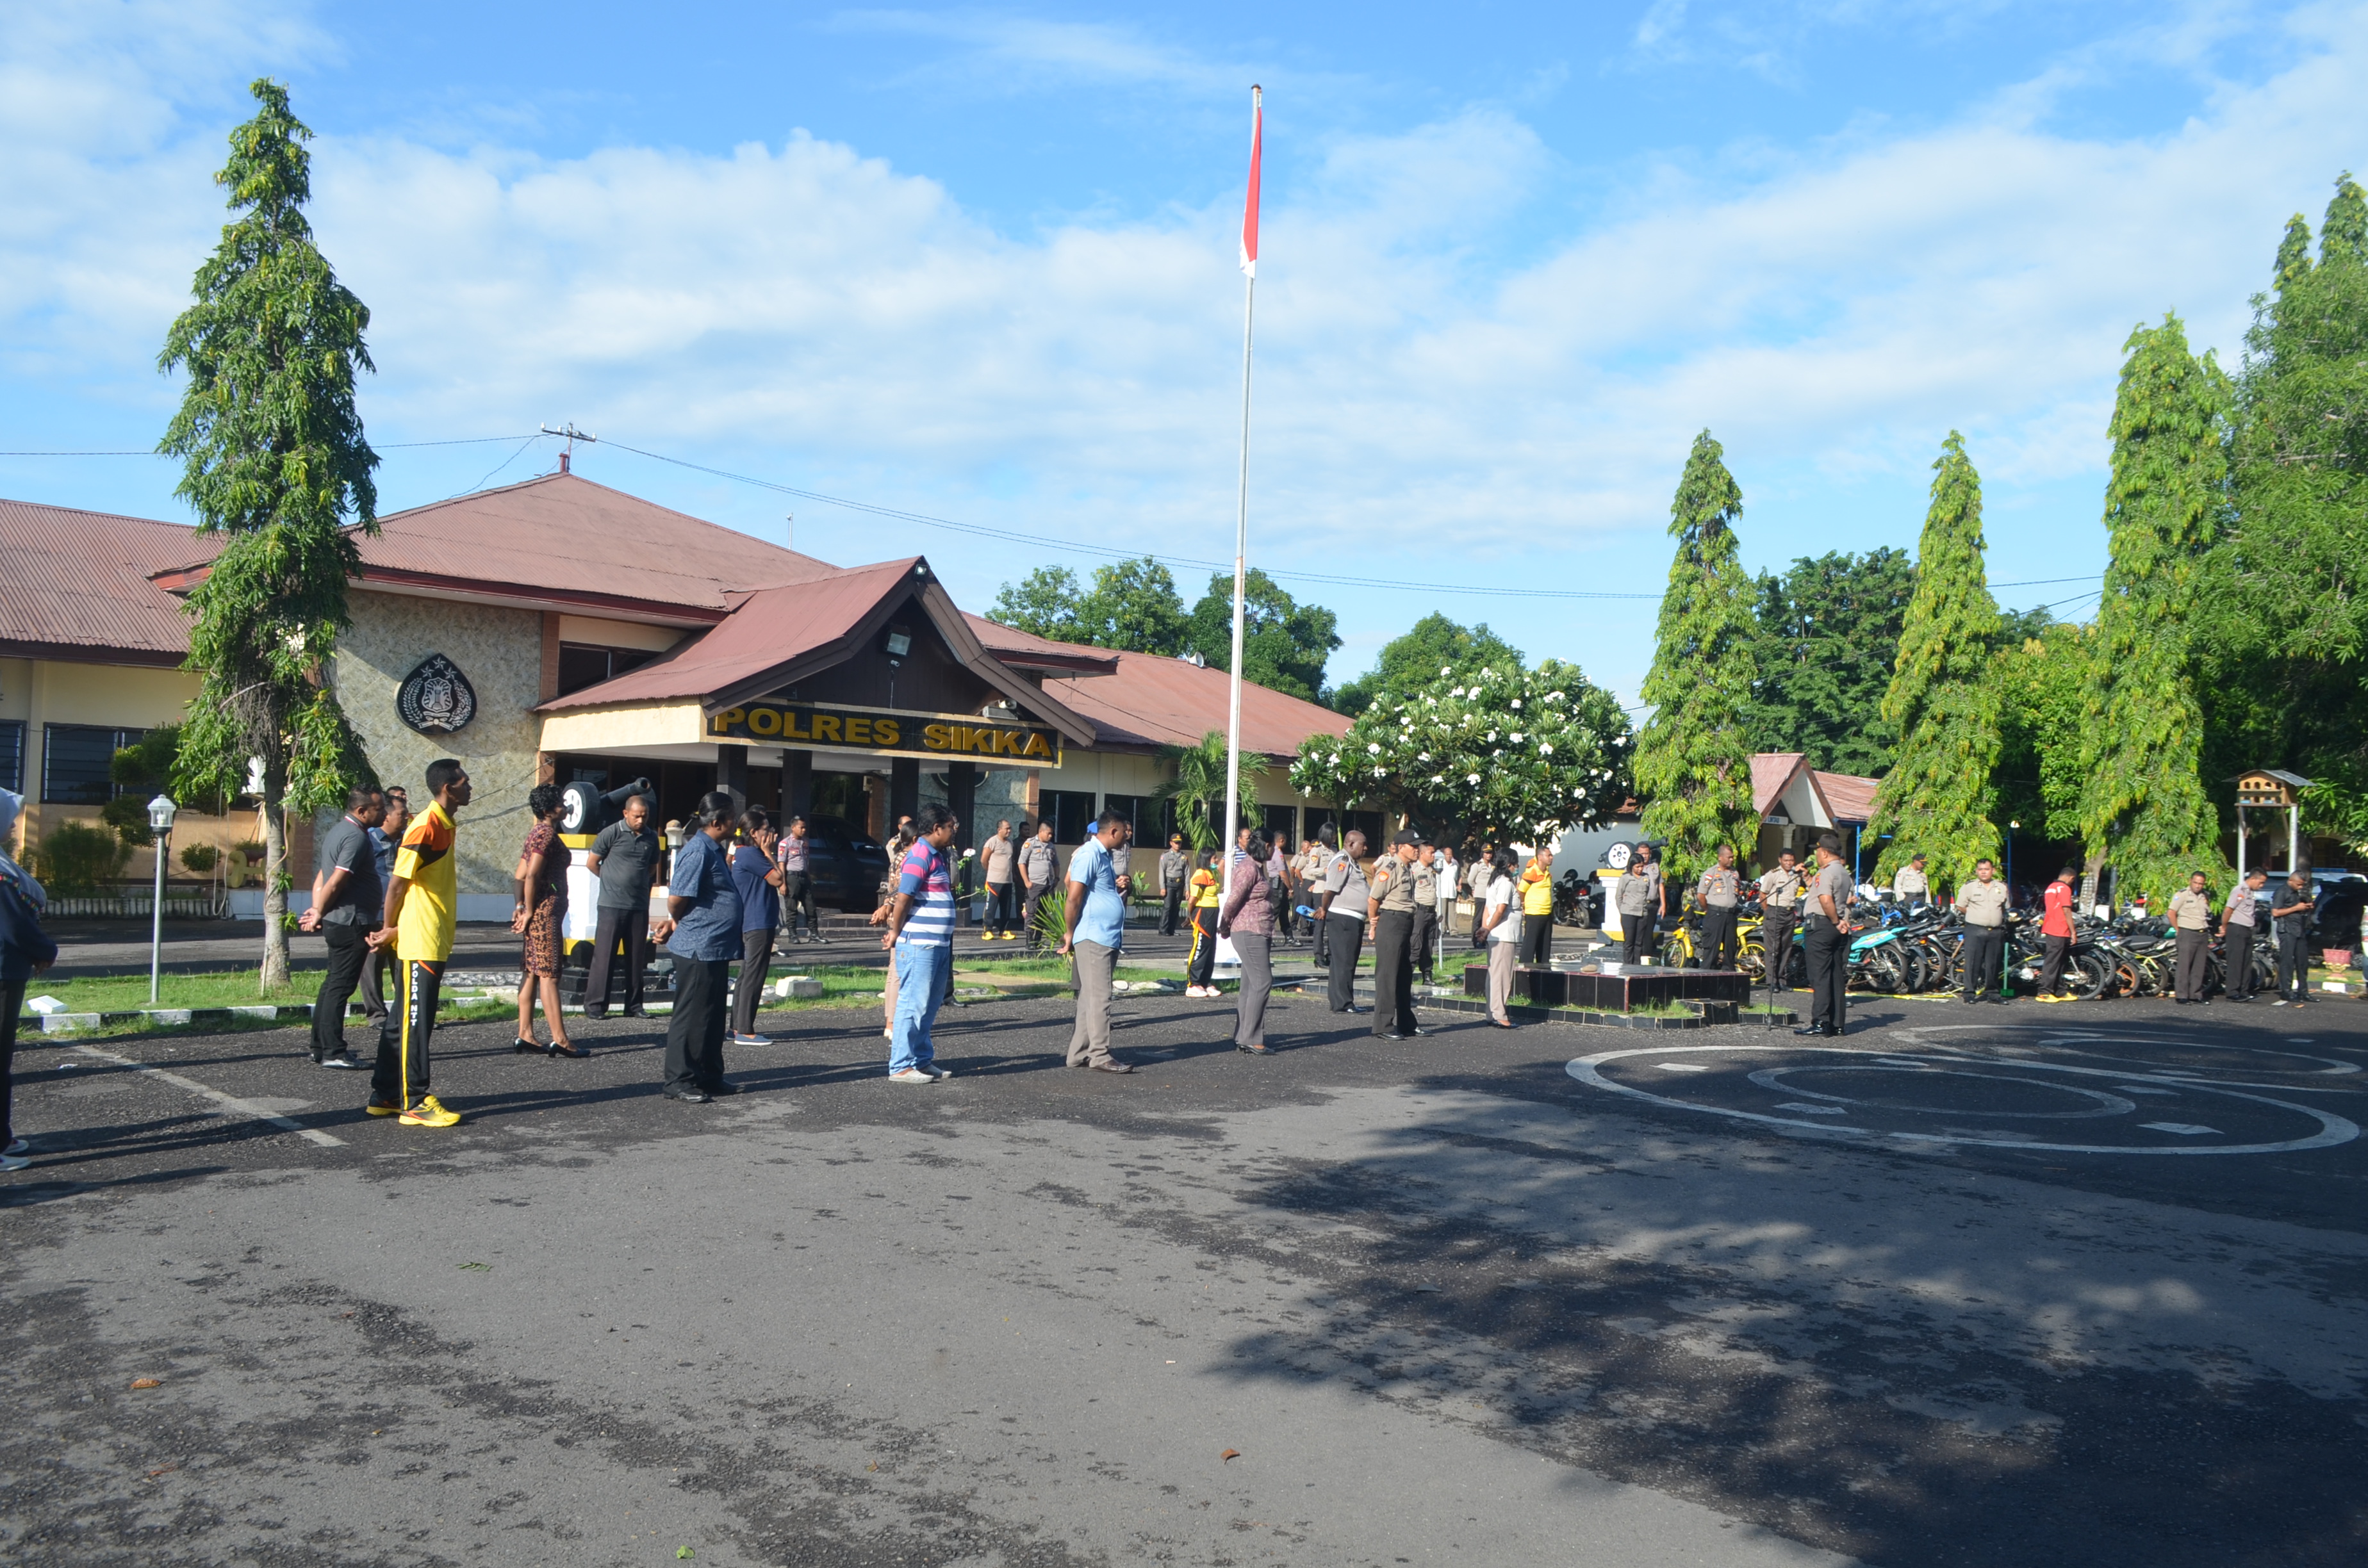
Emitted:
pixel 1097 928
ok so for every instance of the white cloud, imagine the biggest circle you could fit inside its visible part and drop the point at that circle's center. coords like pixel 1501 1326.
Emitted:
pixel 819 315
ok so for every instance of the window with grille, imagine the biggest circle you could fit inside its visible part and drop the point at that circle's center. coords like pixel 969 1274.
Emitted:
pixel 74 763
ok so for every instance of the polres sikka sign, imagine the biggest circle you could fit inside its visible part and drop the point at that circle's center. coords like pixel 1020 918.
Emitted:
pixel 887 732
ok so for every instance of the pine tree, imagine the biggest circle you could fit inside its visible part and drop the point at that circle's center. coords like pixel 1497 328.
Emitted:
pixel 274 460
pixel 1693 760
pixel 2143 801
pixel 1939 797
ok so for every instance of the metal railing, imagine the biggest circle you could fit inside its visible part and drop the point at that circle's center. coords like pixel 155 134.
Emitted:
pixel 139 904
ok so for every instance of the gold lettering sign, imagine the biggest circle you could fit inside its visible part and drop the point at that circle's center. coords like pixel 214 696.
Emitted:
pixel 872 729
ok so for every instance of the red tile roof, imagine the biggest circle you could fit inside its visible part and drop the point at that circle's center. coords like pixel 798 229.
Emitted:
pixel 76 585
pixel 1848 796
pixel 565 537
pixel 1771 771
pixel 1845 796
pixel 1024 650
pixel 1155 701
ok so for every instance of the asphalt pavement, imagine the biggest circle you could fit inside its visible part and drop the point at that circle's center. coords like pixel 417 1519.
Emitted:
pixel 1992 1286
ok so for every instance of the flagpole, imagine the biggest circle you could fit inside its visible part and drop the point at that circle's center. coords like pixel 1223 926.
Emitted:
pixel 1242 508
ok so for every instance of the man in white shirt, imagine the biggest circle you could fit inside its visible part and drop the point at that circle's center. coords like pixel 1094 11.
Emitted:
pixel 1909 884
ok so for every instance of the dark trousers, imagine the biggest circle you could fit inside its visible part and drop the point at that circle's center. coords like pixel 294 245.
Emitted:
pixel 401 1077
pixel 1394 971
pixel 2293 964
pixel 2193 947
pixel 376 967
pixel 798 898
pixel 1036 896
pixel 1776 944
pixel 1479 909
pixel 1201 969
pixel 1717 949
pixel 2050 969
pixel 1257 950
pixel 755 963
pixel 1426 938
pixel 1000 903
pixel 2237 946
pixel 1827 951
pixel 1323 933
pixel 12 1002
pixel 349 947
pixel 631 928
pixel 1537 940
pixel 1637 932
pixel 1344 938
pixel 694 1050
pixel 1977 960
pixel 1169 910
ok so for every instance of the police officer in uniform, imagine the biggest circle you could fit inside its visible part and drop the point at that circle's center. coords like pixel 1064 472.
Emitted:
pixel 1827 943
pixel 1401 885
pixel 1909 885
pixel 1779 912
pixel 1720 889
pixel 1980 904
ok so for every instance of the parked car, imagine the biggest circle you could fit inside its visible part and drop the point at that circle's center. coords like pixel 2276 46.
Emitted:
pixel 847 866
pixel 2342 896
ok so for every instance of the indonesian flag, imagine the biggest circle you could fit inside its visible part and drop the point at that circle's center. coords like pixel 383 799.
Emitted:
pixel 1249 209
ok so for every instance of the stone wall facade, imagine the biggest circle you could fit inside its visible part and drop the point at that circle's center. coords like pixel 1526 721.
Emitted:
pixel 500 652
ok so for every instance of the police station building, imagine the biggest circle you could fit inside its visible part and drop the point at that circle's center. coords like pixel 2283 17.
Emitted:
pixel 558 630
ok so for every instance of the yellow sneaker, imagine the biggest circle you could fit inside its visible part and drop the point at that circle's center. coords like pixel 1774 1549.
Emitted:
pixel 383 1108
pixel 429 1113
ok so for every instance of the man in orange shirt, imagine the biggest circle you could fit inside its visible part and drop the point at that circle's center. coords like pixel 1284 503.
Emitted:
pixel 2056 926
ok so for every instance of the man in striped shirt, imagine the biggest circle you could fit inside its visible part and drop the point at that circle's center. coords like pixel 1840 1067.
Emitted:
pixel 920 939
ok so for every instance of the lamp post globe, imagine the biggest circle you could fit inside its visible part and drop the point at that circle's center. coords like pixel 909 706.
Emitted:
pixel 160 819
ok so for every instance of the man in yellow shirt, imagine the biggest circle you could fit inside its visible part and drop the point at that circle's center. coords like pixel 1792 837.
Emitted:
pixel 1203 894
pixel 1537 909
pixel 422 906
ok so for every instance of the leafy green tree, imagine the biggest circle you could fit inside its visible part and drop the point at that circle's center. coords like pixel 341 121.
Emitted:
pixel 274 460
pixel 2143 800
pixel 2041 680
pixel 143 768
pixel 1197 785
pixel 1828 633
pixel 2284 624
pixel 1043 604
pixel 1432 647
pixel 1501 751
pixel 1940 799
pixel 1133 606
pixel 1285 644
pixel 1693 759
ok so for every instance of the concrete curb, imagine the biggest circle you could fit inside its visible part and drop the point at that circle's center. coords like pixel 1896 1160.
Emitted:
pixel 1703 1020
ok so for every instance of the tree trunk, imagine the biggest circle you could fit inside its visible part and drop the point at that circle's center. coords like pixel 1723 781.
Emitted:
pixel 2091 873
pixel 275 888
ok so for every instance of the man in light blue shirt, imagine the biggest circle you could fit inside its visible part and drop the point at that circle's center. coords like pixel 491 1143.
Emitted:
pixel 1096 928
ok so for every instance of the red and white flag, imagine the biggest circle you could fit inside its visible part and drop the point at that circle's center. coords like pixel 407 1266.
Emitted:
pixel 1249 209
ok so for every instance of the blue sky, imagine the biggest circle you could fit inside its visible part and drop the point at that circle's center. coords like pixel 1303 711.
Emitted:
pixel 977 263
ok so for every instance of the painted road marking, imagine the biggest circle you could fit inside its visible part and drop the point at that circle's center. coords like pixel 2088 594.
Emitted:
pixel 2184 1129
pixel 2331 1128
pixel 2142 1089
pixel 1812 1109
pixel 1681 1066
pixel 231 1103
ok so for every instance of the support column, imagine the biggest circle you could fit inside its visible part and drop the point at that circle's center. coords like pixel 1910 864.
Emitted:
pixel 732 774
pixel 903 788
pixel 797 785
pixel 962 799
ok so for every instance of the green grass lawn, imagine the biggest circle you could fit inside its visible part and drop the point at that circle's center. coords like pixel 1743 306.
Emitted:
pixel 223 988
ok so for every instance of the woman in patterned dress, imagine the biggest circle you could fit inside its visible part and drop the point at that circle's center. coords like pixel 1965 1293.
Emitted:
pixel 541 917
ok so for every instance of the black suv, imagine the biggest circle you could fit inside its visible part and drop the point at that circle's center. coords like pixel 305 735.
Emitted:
pixel 846 866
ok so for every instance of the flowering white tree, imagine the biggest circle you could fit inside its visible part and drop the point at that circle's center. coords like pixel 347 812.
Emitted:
pixel 1501 753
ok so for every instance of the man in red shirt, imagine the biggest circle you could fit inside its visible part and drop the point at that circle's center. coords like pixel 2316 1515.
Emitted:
pixel 2056 926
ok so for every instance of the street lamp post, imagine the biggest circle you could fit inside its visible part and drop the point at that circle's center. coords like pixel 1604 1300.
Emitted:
pixel 2011 828
pixel 160 825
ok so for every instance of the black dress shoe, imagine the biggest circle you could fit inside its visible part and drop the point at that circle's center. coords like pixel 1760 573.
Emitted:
pixel 1252 1049
pixel 687 1097
pixel 1112 1066
pixel 1391 1034
pixel 633 1012
pixel 719 1090
pixel 1817 1029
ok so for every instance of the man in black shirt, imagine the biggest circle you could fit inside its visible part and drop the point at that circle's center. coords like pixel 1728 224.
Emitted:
pixel 347 898
pixel 2289 907
pixel 625 858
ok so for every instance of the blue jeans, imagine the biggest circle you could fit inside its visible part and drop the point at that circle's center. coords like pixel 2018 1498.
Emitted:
pixel 920 987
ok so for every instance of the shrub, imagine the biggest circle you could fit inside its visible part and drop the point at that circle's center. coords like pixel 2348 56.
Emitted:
pixel 201 858
pixel 128 815
pixel 75 858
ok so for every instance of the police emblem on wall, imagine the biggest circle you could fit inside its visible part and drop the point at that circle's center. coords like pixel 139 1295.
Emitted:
pixel 436 698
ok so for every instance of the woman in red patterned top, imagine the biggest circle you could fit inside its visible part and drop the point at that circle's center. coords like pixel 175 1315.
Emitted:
pixel 541 917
